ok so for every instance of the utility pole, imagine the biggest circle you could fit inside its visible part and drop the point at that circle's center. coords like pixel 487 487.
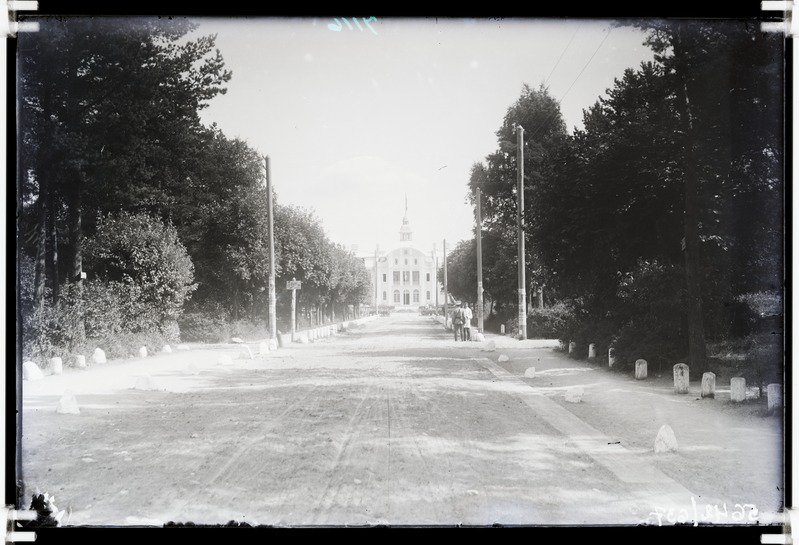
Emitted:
pixel 293 285
pixel 446 316
pixel 272 298
pixel 376 290
pixel 479 236
pixel 435 275
pixel 520 229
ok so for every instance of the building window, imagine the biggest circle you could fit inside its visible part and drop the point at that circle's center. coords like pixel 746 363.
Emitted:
pixel 405 252
pixel 396 296
pixel 406 261
pixel 415 277
pixel 384 277
pixel 406 277
pixel 415 296
pixel 385 295
pixel 428 279
pixel 428 295
pixel 396 277
pixel 396 261
pixel 415 261
pixel 406 297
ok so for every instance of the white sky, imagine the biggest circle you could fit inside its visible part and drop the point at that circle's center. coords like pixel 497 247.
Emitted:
pixel 353 121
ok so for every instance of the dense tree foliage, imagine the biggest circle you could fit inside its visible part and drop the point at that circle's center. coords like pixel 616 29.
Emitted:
pixel 108 119
pixel 111 147
pixel 654 221
pixel 544 139
pixel 138 251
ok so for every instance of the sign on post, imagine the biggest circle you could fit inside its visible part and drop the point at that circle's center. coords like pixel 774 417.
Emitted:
pixel 293 284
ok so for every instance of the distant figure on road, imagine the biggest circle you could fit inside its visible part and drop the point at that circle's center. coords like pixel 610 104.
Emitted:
pixel 467 322
pixel 457 322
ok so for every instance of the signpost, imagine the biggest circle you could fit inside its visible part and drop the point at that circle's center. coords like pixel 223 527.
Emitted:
pixel 293 285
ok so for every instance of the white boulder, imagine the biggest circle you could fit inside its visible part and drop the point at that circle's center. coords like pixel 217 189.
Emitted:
pixel 503 358
pixel 490 346
pixel 143 352
pixel 58 365
pixel 31 371
pixel 146 382
pixel 237 340
pixel 98 356
pixel 224 359
pixel 182 347
pixel 67 404
pixel 80 362
pixel 529 372
pixel 665 440
pixel 575 394
pixel 166 349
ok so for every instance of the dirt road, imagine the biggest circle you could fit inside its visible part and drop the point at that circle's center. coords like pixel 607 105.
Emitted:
pixel 393 423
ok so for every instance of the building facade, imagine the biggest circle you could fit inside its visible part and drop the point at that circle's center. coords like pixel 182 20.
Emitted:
pixel 405 277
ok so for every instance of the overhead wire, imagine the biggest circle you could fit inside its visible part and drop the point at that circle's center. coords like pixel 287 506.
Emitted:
pixel 538 129
pixel 561 55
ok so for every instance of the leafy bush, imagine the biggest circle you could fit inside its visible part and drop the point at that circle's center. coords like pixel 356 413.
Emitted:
pixel 248 330
pixel 88 316
pixel 655 327
pixel 549 323
pixel 146 258
pixel 201 328
pixel 140 276
pixel 51 330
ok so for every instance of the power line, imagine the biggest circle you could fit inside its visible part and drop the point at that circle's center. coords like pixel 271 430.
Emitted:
pixel 535 132
pixel 561 55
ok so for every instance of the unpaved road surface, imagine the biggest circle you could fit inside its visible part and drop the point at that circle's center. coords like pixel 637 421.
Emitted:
pixel 393 422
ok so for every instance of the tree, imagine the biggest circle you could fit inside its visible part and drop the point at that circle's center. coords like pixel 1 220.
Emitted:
pixel 545 136
pixel 108 111
pixel 640 182
pixel 222 214
pixel 147 258
pixel 727 83
pixel 461 271
pixel 304 254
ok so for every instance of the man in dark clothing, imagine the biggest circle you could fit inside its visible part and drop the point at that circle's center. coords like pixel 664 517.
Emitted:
pixel 457 322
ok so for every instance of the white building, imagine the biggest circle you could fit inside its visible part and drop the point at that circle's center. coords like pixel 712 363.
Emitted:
pixel 405 277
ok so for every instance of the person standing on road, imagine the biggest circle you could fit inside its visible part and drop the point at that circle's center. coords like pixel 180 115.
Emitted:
pixel 467 323
pixel 457 322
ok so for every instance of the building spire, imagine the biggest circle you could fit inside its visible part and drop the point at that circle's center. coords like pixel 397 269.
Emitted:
pixel 405 230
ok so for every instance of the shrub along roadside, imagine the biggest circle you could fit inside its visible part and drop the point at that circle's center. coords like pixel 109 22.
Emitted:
pixel 139 278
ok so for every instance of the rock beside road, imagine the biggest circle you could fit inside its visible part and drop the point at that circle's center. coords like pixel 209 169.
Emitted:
pixel 665 440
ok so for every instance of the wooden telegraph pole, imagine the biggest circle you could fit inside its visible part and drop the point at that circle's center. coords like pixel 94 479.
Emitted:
pixel 446 315
pixel 520 229
pixel 479 236
pixel 272 296
pixel 377 311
